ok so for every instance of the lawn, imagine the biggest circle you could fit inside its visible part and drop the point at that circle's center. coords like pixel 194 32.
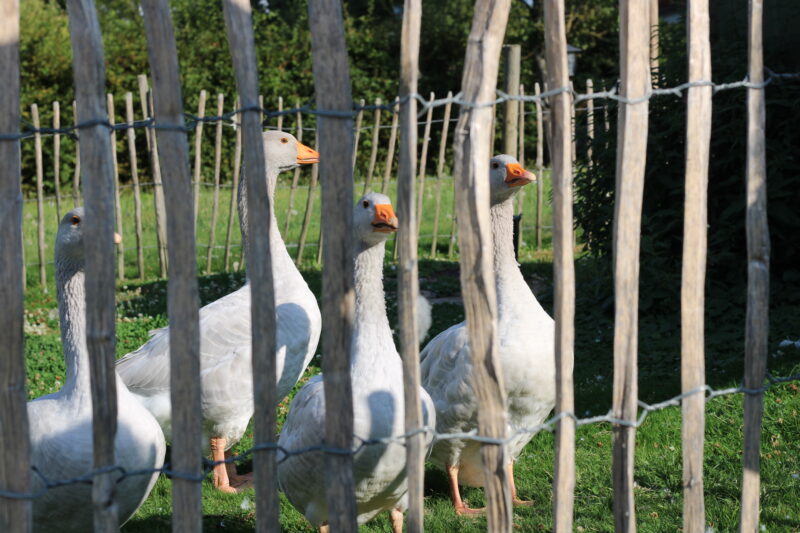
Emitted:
pixel 295 217
pixel 142 306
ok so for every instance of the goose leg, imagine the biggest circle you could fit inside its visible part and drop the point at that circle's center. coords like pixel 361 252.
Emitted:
pixel 220 472
pixel 455 494
pixel 514 500
pixel 396 516
pixel 234 477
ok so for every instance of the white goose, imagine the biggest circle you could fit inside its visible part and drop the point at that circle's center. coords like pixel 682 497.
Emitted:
pixel 61 423
pixel 526 352
pixel 378 405
pixel 225 336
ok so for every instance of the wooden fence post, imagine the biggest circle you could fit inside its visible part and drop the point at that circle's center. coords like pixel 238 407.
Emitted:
pixel 198 153
pixel 539 167
pixel 589 122
pixel 407 273
pixel 698 137
pixel 57 157
pixel 39 198
pixel 312 187
pixel 757 328
pixel 563 262
pixel 296 177
pixel 357 129
pixel 237 165
pixel 332 84
pixel 654 42
pixel 440 172
pixel 521 157
pixel 387 170
pixel 76 176
pixel 89 72
pixel 117 207
pixel 631 153
pixel 183 299
pixel 212 233
pixel 15 461
pixel 477 277
pixel 137 199
pixel 155 171
pixel 373 153
pixel 239 25
pixel 423 159
pixel 512 54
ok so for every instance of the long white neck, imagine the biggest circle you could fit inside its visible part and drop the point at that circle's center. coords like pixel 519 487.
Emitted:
pixel 372 336
pixel 281 260
pixel 514 296
pixel 72 314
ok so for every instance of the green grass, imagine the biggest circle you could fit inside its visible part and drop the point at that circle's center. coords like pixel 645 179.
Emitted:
pixel 142 306
pixel 292 236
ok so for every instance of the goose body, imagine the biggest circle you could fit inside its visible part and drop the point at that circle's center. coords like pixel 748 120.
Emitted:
pixel 378 403
pixel 526 352
pixel 61 423
pixel 225 336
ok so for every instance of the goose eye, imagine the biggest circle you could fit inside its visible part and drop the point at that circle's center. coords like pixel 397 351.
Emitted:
pixel 365 203
pixel 76 220
pixel 284 140
pixel 495 165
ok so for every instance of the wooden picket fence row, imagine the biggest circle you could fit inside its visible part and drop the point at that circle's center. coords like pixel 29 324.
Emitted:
pixel 336 144
pixel 126 159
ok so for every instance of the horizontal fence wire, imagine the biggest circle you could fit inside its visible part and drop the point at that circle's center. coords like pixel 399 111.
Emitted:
pixel 192 120
pixel 283 454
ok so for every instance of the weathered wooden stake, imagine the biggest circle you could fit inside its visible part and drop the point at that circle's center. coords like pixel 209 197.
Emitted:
pixel 373 154
pixel 423 161
pixel 39 198
pixel 631 154
pixel 561 112
pixel 89 72
pixel 475 240
pixel 15 472
pixel 117 207
pixel 137 199
pixel 212 233
pixel 512 53
pixel 239 25
pixel 146 99
pixel 237 165
pixel 698 136
pixel 296 177
pixel 76 176
pixel 387 170
pixel 57 157
pixel 539 167
pixel 407 273
pixel 198 153
pixel 757 326
pixel 183 301
pixel 312 187
pixel 332 84
pixel 440 172
pixel 357 129
pixel 589 122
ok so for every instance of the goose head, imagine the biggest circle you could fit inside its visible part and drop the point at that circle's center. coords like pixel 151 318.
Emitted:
pixel 284 152
pixel 69 240
pixel 506 176
pixel 374 219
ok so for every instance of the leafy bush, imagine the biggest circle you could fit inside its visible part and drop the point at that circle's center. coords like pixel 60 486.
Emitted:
pixel 662 211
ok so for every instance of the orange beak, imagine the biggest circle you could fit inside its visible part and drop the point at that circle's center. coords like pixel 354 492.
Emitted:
pixel 306 155
pixel 117 238
pixel 385 220
pixel 516 176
